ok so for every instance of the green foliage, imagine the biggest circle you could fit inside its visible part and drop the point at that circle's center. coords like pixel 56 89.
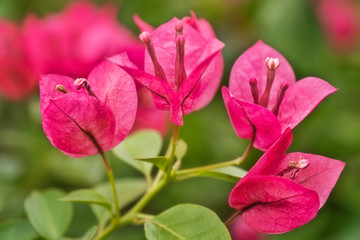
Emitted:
pixel 141 144
pixel 88 196
pixel 128 189
pixel 160 161
pixel 17 230
pixel 186 221
pixel 47 214
pixel 181 149
pixel 90 234
pixel 230 173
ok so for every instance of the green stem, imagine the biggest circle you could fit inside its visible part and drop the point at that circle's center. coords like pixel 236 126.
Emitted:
pixel 159 182
pixel 112 181
pixel 186 173
pixel 173 145
pixel 132 213
pixel 232 218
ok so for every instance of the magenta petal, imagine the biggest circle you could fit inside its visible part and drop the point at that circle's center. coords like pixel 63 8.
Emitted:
pixel 163 39
pixel 48 83
pixel 272 162
pixel 186 90
pixel 267 126
pixel 114 87
pixel 301 98
pixel 273 204
pixel 175 112
pixel 321 175
pixel 251 64
pixel 210 82
pixel 153 83
pixel 76 122
pixel 142 25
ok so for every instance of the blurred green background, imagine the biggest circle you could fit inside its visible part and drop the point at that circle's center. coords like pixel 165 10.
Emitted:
pixel 28 161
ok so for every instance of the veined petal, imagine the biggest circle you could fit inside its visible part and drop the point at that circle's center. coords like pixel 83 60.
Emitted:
pixel 321 175
pixel 48 83
pixel 79 124
pixel 244 116
pixel 272 162
pixel 163 39
pixel 274 204
pixel 301 98
pixel 186 92
pixel 114 87
pixel 251 64
pixel 153 83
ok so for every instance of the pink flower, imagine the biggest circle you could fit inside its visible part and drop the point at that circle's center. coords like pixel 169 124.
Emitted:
pixel 85 117
pixel 264 96
pixel 73 41
pixel 340 21
pixel 284 191
pixel 148 116
pixel 183 66
pixel 240 231
pixel 17 80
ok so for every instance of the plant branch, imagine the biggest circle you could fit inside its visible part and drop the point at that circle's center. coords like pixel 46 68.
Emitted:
pixel 186 173
pixel 112 181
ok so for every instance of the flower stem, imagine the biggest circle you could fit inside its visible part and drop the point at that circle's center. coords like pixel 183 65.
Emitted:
pixel 172 146
pixel 232 218
pixel 159 182
pixel 187 173
pixel 112 181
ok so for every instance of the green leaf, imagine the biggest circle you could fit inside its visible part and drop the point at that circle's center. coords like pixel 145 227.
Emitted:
pixel 86 171
pixel 90 234
pixel 88 196
pixel 47 214
pixel 17 229
pixel 230 173
pixel 186 221
pixel 160 161
pixel 128 189
pixel 141 144
pixel 181 149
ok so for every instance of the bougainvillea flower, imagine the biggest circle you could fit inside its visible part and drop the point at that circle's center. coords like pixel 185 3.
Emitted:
pixel 180 65
pixel 84 117
pixel 284 191
pixel 340 22
pixel 148 116
pixel 73 41
pixel 239 230
pixel 17 80
pixel 264 96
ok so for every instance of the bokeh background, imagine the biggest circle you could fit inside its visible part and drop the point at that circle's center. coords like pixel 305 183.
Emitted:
pixel 294 27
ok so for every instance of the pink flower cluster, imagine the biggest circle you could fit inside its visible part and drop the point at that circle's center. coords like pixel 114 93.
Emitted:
pixel 70 43
pixel 182 70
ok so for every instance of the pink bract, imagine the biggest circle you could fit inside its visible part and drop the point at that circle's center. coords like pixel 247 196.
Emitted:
pixel 17 79
pixel 84 117
pixel 73 41
pixel 183 66
pixel 239 230
pixel 284 191
pixel 288 102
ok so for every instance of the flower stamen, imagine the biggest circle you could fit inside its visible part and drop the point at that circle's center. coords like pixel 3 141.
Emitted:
pixel 254 90
pixel 272 64
pixel 83 83
pixel 283 87
pixel 180 74
pixel 294 167
pixel 158 70
pixel 61 88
